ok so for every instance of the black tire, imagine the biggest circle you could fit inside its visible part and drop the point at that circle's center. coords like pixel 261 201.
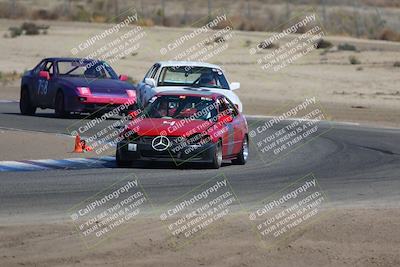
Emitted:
pixel 217 157
pixel 122 163
pixel 59 105
pixel 25 104
pixel 243 154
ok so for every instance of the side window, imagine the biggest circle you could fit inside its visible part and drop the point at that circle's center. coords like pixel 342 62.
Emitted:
pixel 39 67
pixel 228 107
pixel 221 80
pixel 154 72
pixel 49 67
pixel 150 72
pixel 161 77
pixel 222 107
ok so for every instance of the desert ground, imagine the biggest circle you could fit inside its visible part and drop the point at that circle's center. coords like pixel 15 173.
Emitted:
pixel 345 237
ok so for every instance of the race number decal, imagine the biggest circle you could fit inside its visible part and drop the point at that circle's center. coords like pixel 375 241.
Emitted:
pixel 42 87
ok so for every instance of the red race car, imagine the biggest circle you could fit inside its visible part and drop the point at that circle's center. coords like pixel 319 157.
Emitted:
pixel 193 126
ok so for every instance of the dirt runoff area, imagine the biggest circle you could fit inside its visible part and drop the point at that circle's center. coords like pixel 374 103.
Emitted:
pixel 21 145
pixel 345 237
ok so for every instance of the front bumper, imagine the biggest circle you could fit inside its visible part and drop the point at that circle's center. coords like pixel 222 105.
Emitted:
pixel 144 151
pixel 99 103
pixel 106 99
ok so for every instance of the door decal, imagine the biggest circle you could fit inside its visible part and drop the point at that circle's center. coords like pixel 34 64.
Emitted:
pixel 43 86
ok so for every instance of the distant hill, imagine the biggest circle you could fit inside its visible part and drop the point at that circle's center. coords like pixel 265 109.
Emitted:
pixel 374 19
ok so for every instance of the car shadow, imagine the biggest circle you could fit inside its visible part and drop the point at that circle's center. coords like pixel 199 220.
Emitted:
pixel 169 165
pixel 53 116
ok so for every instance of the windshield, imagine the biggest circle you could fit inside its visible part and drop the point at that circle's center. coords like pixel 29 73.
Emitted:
pixel 193 77
pixel 181 107
pixel 86 69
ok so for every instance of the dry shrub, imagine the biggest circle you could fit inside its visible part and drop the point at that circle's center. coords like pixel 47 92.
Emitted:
pixel 342 22
pixel 322 44
pixel 8 10
pixel 169 21
pixel 100 5
pixel 99 18
pixel 9 77
pixel 81 14
pixel 251 25
pixel 146 22
pixel 44 14
pixel 15 31
pixel 354 60
pixel 389 35
pixel 28 28
pixel 244 24
pixel 265 45
pixel 347 47
pixel 223 24
pixel 31 28
pixel 302 29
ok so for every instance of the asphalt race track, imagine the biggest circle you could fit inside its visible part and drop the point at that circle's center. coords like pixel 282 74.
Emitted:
pixel 353 164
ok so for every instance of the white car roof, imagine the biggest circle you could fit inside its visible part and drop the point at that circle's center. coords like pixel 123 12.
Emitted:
pixel 188 63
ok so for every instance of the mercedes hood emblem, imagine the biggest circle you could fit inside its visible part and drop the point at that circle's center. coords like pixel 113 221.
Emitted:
pixel 160 143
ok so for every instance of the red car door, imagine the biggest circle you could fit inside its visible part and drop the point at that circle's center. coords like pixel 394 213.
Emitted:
pixel 229 123
pixel 238 128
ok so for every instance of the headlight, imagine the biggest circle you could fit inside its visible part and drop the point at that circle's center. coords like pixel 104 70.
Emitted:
pixel 83 90
pixel 131 93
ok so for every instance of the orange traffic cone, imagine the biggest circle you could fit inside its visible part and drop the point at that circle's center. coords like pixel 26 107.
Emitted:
pixel 78 145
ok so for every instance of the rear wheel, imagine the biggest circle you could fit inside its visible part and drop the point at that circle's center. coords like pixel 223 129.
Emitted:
pixel 243 154
pixel 59 105
pixel 217 156
pixel 25 104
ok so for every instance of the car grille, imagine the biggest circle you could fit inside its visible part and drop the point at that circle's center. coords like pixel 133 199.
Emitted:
pixel 148 139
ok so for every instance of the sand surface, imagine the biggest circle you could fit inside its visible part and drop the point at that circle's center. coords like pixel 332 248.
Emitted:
pixel 345 237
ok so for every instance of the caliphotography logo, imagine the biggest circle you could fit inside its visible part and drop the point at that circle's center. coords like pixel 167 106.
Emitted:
pixel 193 214
pixel 109 211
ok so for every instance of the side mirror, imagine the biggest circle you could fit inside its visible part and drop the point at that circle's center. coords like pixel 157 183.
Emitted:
pixel 234 86
pixel 225 119
pixel 123 77
pixel 44 74
pixel 150 81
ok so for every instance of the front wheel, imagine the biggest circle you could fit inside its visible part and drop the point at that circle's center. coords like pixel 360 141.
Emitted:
pixel 121 163
pixel 217 156
pixel 25 104
pixel 243 154
pixel 59 106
